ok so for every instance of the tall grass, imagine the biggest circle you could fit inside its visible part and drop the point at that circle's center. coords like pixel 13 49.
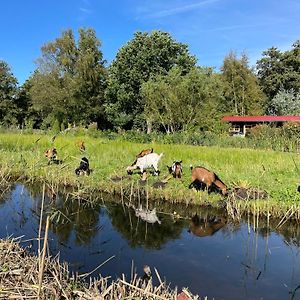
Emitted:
pixel 22 156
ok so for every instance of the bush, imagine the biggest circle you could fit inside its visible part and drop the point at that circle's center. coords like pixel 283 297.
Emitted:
pixel 291 130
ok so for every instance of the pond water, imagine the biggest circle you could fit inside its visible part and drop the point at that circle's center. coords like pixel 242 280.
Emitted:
pixel 204 251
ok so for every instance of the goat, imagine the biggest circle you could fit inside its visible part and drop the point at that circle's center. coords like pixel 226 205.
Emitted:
pixel 145 162
pixel 142 154
pixel 81 146
pixel 201 178
pixel 84 167
pixel 202 228
pixel 51 155
pixel 176 169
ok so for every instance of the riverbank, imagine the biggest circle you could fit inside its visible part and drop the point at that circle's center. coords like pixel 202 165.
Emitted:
pixel 22 158
pixel 20 273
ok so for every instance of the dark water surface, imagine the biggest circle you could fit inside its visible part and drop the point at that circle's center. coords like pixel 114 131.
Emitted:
pixel 206 253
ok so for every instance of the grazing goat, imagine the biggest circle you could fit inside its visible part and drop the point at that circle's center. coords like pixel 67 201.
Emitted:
pixel 81 146
pixel 148 161
pixel 144 152
pixel 84 167
pixel 201 178
pixel 51 155
pixel 201 227
pixel 176 169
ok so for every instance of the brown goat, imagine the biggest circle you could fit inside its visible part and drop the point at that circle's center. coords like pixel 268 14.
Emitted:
pixel 203 178
pixel 201 228
pixel 80 145
pixel 144 152
pixel 51 154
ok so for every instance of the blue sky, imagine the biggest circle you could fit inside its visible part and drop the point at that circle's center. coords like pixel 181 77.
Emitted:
pixel 211 28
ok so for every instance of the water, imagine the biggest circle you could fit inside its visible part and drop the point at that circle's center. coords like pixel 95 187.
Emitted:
pixel 218 259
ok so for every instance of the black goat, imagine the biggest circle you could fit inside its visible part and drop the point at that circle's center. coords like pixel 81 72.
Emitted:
pixel 84 167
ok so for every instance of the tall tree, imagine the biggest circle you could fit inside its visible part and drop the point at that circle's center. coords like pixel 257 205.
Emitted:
pixel 181 102
pixel 279 70
pixel 91 78
pixel 242 91
pixel 27 116
pixel 68 85
pixel 8 95
pixel 145 55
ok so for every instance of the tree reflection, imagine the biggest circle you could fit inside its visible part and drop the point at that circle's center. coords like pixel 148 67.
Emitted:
pixel 68 214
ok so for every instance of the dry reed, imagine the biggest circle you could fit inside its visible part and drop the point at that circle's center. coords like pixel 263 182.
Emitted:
pixel 19 279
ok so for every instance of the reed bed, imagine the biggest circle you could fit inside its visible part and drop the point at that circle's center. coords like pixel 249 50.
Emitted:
pixel 19 279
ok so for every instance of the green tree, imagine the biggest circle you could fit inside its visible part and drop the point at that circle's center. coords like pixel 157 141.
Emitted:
pixel 27 116
pixel 90 78
pixel 147 54
pixel 285 103
pixel 279 70
pixel 241 88
pixel 68 85
pixel 8 95
pixel 182 102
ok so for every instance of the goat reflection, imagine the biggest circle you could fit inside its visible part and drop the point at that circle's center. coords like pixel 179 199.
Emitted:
pixel 205 227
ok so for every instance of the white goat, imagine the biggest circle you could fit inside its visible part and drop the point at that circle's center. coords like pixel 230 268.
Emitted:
pixel 145 162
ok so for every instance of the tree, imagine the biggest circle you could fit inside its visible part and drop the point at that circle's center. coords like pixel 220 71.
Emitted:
pixel 68 85
pixel 279 70
pixel 27 116
pixel 285 103
pixel 146 55
pixel 91 78
pixel 182 102
pixel 8 95
pixel 241 89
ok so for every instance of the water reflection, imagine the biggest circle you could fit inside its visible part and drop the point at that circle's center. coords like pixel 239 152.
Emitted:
pixel 139 233
pixel 68 215
pixel 191 246
pixel 205 227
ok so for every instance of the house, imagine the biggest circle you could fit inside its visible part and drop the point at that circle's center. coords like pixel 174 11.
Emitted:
pixel 240 124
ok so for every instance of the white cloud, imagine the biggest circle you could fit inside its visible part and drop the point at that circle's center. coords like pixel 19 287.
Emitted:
pixel 174 10
pixel 85 10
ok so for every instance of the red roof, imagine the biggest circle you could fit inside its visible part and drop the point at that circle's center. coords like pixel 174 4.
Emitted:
pixel 261 119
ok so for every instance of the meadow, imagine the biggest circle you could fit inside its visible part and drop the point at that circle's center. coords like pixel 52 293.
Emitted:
pixel 22 159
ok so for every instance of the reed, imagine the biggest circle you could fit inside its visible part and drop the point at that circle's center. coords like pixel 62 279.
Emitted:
pixel 21 279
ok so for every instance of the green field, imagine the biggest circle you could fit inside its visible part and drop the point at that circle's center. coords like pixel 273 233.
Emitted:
pixel 22 158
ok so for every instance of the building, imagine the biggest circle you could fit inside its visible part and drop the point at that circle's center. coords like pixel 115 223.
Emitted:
pixel 240 124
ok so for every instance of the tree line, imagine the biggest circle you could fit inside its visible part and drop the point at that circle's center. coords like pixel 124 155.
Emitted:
pixel 153 84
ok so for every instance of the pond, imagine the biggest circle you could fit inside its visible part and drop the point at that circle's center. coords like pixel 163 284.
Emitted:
pixel 204 251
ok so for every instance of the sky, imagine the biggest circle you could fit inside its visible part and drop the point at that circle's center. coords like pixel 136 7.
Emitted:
pixel 211 28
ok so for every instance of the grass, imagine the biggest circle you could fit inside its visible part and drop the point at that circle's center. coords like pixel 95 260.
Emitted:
pixel 22 157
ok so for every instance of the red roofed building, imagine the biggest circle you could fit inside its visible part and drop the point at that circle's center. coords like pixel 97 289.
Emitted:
pixel 240 124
